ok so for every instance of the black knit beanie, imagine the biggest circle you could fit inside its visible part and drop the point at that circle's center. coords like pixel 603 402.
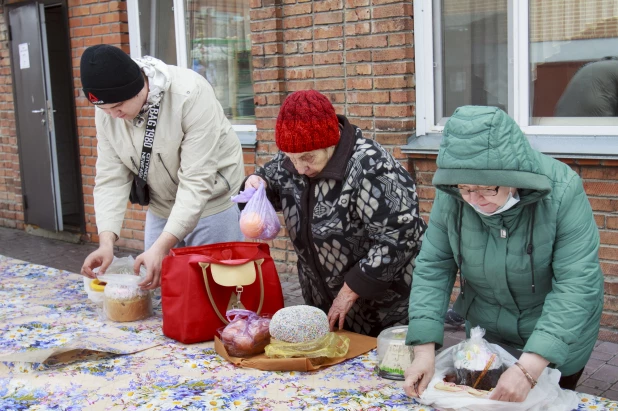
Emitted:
pixel 109 75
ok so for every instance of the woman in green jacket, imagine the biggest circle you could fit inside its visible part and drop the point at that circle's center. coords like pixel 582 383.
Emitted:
pixel 519 228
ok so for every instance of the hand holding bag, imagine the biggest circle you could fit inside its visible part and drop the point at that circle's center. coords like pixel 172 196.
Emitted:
pixel 199 284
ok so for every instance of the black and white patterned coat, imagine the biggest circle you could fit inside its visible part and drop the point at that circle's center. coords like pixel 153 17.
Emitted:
pixel 356 222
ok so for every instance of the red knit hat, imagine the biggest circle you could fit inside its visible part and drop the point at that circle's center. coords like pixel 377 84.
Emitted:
pixel 306 122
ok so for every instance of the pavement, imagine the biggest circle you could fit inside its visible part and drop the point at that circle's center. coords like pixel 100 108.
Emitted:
pixel 600 375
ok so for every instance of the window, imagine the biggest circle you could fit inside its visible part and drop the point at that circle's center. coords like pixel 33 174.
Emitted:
pixel 156 28
pixel 211 37
pixel 551 64
pixel 574 77
pixel 219 48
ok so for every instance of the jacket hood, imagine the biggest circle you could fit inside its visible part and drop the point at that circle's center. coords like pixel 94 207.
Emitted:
pixel 484 146
pixel 159 78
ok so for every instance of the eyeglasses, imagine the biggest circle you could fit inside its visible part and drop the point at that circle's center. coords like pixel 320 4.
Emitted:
pixel 485 192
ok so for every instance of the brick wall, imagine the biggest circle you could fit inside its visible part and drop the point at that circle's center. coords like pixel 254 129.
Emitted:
pixel 601 184
pixel 359 53
pixel 11 208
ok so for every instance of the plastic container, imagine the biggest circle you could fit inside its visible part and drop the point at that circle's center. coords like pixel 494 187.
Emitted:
pixel 124 300
pixel 394 356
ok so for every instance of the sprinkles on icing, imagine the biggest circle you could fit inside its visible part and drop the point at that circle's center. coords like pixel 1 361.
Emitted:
pixel 299 323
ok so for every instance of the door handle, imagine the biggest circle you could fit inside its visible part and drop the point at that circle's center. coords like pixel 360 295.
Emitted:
pixel 41 111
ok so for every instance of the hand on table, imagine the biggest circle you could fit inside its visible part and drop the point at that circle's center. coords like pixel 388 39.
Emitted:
pixel 513 386
pixel 254 181
pixel 342 304
pixel 421 371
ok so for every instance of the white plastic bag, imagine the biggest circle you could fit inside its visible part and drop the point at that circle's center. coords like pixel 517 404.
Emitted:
pixel 546 396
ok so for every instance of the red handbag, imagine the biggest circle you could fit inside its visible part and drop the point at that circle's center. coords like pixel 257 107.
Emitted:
pixel 199 284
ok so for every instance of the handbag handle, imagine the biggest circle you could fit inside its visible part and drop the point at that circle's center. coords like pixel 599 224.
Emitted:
pixel 204 266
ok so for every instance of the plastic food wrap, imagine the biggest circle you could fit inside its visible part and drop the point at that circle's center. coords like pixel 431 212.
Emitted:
pixel 258 219
pixel 477 364
pixel 329 346
pixel 247 333
pixel 94 288
pixel 123 299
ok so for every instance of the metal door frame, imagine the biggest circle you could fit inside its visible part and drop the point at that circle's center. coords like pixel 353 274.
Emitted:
pixel 65 13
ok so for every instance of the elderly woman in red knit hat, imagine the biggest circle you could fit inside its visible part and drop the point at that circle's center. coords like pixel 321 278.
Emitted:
pixel 351 211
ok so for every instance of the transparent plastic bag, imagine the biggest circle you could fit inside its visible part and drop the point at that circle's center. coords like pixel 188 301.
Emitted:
pixel 95 287
pixel 477 364
pixel 331 345
pixel 546 396
pixel 246 335
pixel 124 300
pixel 259 219
pixel 123 290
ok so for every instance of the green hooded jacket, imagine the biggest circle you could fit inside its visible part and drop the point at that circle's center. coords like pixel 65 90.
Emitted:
pixel 531 275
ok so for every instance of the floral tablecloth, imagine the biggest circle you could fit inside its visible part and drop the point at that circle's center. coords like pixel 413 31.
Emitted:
pixel 45 311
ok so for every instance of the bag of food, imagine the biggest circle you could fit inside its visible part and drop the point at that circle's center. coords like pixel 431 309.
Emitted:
pixel 247 333
pixel 460 365
pixel 124 300
pixel 258 219
pixel 477 364
pixel 95 287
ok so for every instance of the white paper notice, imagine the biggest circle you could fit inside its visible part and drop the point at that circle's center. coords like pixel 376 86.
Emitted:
pixel 24 57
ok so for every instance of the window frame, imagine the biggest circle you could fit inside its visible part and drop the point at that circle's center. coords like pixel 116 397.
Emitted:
pixel 180 34
pixel 595 141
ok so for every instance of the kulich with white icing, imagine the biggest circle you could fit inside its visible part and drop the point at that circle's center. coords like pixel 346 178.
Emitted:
pixel 299 323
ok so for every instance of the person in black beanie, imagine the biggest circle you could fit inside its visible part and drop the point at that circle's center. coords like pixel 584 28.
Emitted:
pixel 162 140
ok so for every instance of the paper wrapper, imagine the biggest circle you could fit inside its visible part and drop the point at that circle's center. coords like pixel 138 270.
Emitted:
pixel 359 344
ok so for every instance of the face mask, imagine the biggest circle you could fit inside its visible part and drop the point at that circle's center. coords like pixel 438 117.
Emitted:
pixel 510 202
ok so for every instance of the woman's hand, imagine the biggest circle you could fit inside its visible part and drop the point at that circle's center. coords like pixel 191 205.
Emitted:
pixel 342 304
pixel 101 257
pixel 513 386
pixel 152 259
pixel 254 181
pixel 420 372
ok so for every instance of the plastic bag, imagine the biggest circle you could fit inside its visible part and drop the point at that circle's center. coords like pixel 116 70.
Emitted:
pixel 477 364
pixel 120 272
pixel 124 300
pixel 246 334
pixel 258 220
pixel 95 287
pixel 329 346
pixel 547 395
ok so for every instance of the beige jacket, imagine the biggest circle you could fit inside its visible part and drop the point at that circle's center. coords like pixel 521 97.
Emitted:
pixel 196 162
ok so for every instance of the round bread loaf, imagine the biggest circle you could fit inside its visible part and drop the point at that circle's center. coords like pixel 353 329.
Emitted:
pixel 299 323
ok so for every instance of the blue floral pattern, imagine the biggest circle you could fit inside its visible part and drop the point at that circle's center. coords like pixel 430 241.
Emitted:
pixel 57 354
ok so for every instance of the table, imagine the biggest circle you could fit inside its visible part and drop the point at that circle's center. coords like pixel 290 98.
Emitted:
pixel 43 309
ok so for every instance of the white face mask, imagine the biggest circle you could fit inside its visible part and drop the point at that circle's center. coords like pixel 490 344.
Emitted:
pixel 510 202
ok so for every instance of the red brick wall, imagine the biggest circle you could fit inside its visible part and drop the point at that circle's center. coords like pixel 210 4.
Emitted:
pixel 98 22
pixel 359 53
pixel 601 184
pixel 11 208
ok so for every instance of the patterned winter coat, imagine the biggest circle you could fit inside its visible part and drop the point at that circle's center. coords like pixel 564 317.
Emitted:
pixel 356 222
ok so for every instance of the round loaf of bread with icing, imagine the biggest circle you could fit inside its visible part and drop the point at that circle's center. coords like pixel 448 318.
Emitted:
pixel 299 323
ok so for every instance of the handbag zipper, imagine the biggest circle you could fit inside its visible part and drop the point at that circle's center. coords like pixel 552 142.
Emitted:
pixel 168 172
